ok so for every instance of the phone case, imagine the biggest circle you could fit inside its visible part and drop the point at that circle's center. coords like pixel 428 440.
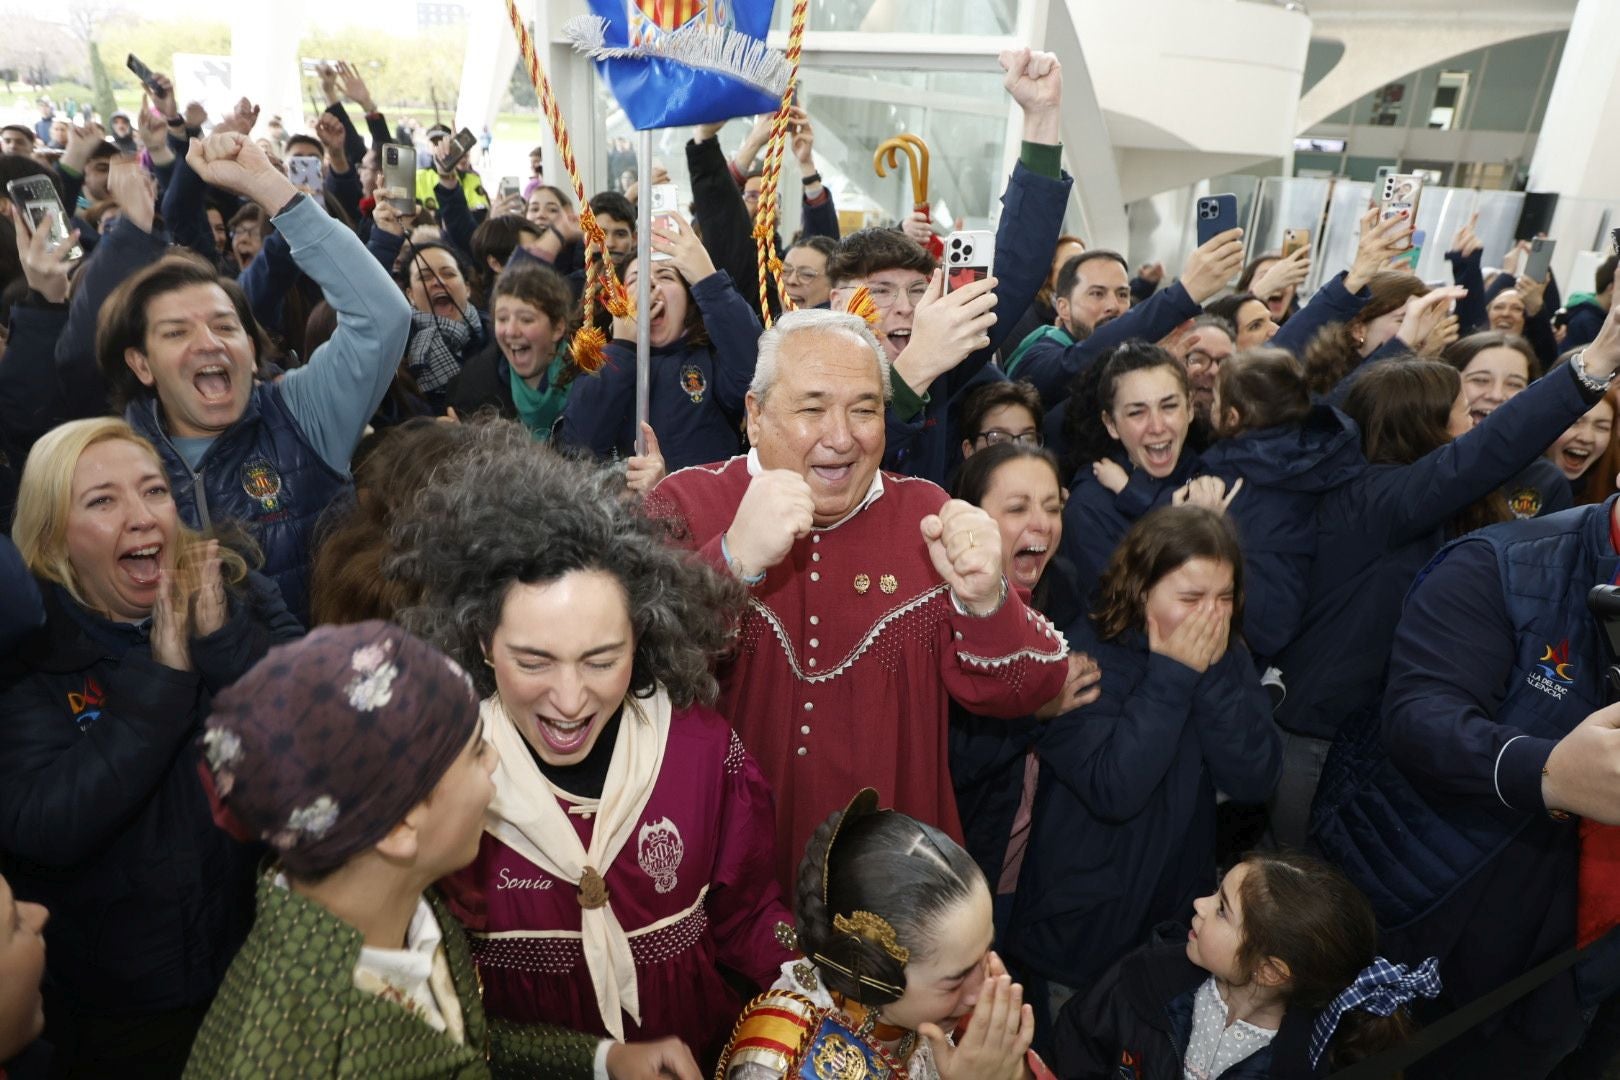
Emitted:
pixel 1216 214
pixel 1540 260
pixel 1294 240
pixel 1400 192
pixel 401 176
pixel 969 257
pixel 305 172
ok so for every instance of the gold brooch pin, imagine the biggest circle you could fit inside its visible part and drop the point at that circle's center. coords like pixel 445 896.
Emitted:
pixel 888 584
pixel 862 583
pixel 874 928
pixel 593 891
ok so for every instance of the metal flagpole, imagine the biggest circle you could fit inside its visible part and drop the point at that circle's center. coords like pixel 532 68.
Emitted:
pixel 644 171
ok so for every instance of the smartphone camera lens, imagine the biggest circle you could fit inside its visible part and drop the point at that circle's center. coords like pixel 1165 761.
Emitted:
pixel 967 252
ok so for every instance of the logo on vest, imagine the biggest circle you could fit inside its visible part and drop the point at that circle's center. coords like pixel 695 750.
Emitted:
pixel 659 851
pixel 693 383
pixel 262 483
pixel 507 881
pixel 1555 674
pixel 86 707
pixel 1525 502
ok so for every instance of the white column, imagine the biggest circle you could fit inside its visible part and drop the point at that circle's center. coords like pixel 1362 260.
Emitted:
pixel 491 54
pixel 1577 154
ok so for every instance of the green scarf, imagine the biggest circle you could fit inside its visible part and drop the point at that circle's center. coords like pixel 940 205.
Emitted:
pixel 539 407
pixel 1053 331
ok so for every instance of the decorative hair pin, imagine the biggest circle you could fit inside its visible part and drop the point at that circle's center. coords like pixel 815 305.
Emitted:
pixel 865 802
pixel 874 928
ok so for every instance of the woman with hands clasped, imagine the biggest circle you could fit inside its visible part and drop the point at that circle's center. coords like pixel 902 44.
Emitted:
pixel 703 337
pixel 1124 835
pixel 102 814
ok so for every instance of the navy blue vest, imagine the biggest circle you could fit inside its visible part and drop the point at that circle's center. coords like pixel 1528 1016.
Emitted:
pixel 263 474
pixel 1408 851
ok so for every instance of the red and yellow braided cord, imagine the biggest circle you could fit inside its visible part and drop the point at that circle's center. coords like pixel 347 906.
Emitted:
pixel 770 264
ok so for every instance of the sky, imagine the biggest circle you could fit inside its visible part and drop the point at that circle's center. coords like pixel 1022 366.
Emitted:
pixel 333 12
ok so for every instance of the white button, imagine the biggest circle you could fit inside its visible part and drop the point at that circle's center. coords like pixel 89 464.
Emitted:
pixel 815 556
pixel 959 635
pixel 803 751
pixel 809 706
pixel 812 661
pixel 815 643
pixel 804 729
pixel 815 620
pixel 816 538
pixel 814 576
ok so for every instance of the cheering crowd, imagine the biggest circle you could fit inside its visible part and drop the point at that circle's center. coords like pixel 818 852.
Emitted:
pixel 1077 672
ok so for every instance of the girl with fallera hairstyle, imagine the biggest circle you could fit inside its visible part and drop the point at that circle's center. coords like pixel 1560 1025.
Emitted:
pixel 894 923
pixel 994 768
pixel 629 854
pixel 1124 837
pixel 102 813
pixel 1277 978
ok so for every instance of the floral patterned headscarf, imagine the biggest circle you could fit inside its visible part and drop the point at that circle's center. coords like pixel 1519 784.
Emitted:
pixel 329 741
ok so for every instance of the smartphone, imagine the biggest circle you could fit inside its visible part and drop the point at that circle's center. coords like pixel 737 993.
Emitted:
pixel 1603 601
pixel 1399 193
pixel 1216 214
pixel 666 200
pixel 306 172
pixel 399 176
pixel 147 76
pixel 37 197
pixel 461 145
pixel 509 187
pixel 1382 173
pixel 1540 260
pixel 969 256
pixel 1614 238
pixel 1295 240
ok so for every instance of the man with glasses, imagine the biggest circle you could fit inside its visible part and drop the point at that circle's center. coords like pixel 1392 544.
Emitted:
pixel 1206 344
pixel 804 272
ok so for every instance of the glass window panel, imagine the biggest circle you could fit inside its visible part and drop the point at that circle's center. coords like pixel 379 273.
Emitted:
pixel 992 17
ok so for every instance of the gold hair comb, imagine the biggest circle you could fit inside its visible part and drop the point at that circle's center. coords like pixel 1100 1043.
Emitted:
pixel 864 924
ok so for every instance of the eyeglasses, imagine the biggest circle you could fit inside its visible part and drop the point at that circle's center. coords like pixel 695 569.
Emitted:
pixel 1199 360
pixel 995 436
pixel 800 273
pixel 884 295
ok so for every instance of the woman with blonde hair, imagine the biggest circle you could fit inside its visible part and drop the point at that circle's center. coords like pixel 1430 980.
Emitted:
pixel 103 817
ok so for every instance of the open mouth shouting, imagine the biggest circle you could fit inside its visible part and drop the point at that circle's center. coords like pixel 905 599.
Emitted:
pixel 1574 459
pixel 564 737
pixel 833 474
pixel 1028 562
pixel 213 383
pixel 140 565
pixel 1159 457
pixel 899 339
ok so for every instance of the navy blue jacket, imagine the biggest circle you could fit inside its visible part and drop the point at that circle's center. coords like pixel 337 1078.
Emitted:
pixel 1584 321
pixel 1285 470
pixel 1052 366
pixel 1496 659
pixel 1540 489
pixel 1377 531
pixel 261 473
pixel 1123 831
pixel 1136 1021
pixel 1095 519
pixel 926 443
pixel 987 753
pixel 21 612
pixel 33 398
pixel 103 818
pixel 1332 303
pixel 695 394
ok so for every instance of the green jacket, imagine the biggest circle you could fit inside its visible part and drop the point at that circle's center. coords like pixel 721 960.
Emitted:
pixel 289 1008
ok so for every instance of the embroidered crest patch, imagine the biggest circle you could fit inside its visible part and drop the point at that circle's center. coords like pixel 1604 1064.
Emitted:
pixel 659 851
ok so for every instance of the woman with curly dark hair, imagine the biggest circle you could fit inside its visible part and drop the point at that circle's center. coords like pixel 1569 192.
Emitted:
pixel 629 853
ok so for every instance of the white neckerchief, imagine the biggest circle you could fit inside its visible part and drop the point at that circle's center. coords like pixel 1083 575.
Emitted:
pixel 526 816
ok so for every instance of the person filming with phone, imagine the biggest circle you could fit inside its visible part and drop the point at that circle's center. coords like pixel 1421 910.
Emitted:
pixel 1499 755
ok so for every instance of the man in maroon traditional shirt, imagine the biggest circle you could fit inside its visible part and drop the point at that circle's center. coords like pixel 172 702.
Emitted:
pixel 873 597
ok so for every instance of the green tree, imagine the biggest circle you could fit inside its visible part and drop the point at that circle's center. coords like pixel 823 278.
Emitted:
pixel 102 84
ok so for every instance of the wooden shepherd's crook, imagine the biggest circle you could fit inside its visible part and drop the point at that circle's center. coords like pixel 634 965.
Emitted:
pixel 916 152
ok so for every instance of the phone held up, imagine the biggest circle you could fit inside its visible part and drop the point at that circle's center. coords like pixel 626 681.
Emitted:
pixel 666 200
pixel 147 76
pixel 36 197
pixel 1295 240
pixel 1399 194
pixel 399 176
pixel 461 145
pixel 306 172
pixel 1540 258
pixel 1216 214
pixel 969 256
